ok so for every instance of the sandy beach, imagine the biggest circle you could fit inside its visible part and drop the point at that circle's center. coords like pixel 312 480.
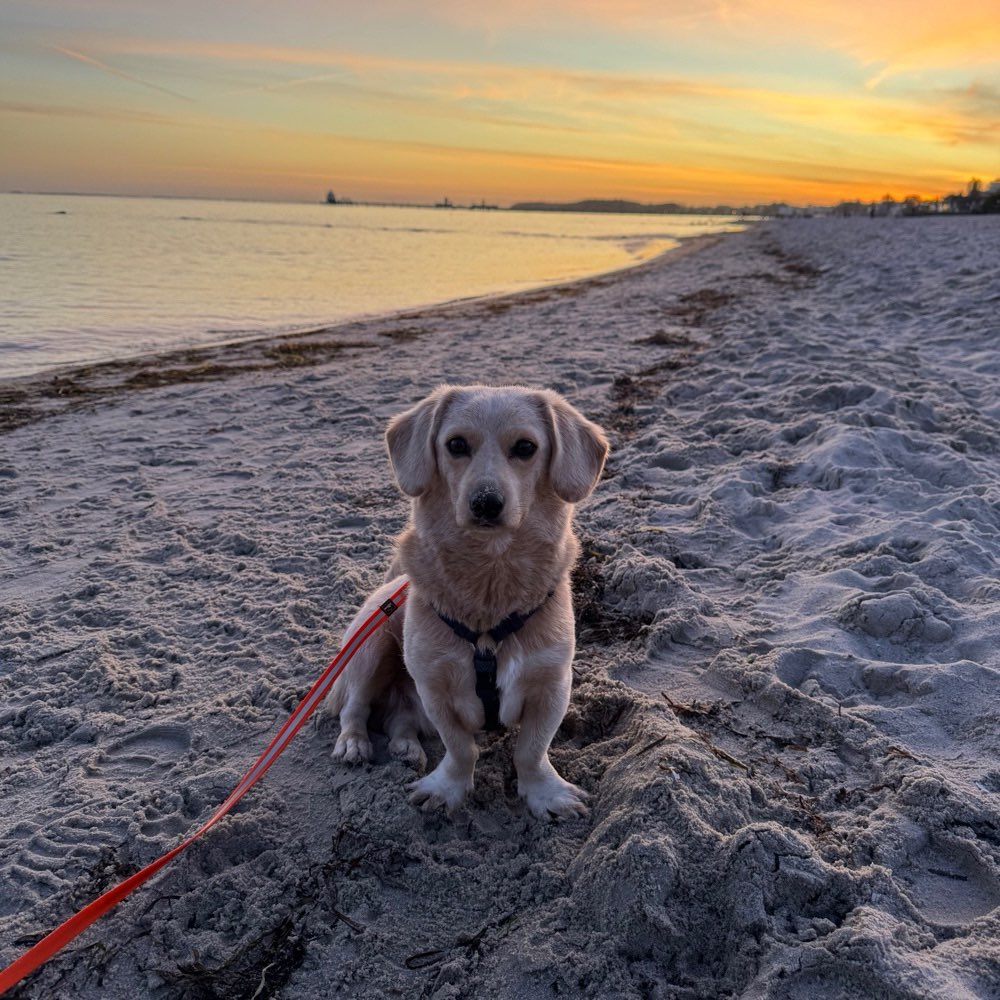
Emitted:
pixel 786 694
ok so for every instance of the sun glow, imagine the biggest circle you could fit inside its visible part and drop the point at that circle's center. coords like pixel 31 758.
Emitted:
pixel 736 102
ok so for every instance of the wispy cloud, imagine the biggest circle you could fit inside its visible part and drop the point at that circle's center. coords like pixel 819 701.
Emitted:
pixel 646 116
pixel 276 86
pixel 623 96
pixel 80 112
pixel 120 74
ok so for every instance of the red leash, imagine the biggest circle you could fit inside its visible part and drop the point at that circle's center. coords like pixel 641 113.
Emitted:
pixel 65 932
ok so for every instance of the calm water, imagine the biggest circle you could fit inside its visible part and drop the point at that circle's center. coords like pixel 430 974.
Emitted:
pixel 86 279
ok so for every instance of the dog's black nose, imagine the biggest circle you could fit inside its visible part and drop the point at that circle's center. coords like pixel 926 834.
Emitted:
pixel 486 504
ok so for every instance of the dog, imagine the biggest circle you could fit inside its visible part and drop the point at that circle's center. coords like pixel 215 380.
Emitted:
pixel 493 473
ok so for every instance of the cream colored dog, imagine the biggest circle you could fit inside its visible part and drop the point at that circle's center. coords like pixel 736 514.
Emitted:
pixel 494 474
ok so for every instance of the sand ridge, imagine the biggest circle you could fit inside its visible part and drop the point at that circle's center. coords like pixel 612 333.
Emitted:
pixel 785 693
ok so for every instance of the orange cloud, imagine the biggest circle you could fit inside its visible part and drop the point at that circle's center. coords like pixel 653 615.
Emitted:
pixel 911 33
pixel 285 118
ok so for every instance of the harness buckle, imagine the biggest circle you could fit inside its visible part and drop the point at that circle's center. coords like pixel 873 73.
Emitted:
pixel 485 662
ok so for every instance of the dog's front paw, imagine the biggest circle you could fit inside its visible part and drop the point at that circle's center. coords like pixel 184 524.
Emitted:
pixel 438 791
pixel 553 798
pixel 352 748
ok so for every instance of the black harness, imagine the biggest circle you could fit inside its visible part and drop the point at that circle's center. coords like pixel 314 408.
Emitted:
pixel 485 660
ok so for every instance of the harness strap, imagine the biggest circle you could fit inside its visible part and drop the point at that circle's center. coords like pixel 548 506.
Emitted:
pixel 484 661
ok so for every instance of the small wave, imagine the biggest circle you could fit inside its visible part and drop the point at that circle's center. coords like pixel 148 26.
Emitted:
pixel 408 229
pixel 279 223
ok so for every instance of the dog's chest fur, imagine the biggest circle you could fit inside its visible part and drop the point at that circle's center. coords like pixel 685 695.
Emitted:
pixel 479 581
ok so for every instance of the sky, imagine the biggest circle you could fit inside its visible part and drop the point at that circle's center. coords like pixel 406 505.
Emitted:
pixel 695 101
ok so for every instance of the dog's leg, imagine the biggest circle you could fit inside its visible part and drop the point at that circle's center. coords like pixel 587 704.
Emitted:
pixel 403 722
pixel 353 745
pixel 451 781
pixel 443 674
pixel 365 680
pixel 542 711
pixel 457 720
pixel 376 666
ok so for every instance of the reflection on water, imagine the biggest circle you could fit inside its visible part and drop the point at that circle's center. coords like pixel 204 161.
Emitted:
pixel 84 279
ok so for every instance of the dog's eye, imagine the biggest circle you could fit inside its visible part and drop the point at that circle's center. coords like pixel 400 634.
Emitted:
pixel 523 449
pixel 458 446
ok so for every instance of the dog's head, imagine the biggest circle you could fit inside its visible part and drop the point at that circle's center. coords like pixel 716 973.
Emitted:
pixel 495 451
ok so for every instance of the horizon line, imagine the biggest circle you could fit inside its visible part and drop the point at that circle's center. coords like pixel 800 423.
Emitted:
pixel 481 205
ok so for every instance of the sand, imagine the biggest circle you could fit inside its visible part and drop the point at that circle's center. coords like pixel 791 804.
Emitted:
pixel 786 694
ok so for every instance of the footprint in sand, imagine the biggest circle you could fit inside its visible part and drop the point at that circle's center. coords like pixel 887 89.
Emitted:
pixel 50 851
pixel 55 848
pixel 158 746
pixel 949 885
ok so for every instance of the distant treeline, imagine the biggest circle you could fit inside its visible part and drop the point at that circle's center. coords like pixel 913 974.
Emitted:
pixel 974 201
pixel 624 208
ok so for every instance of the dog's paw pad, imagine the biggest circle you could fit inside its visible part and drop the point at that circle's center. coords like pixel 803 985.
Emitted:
pixel 353 749
pixel 409 752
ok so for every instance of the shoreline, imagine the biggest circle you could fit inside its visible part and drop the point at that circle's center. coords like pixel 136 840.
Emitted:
pixel 25 399
pixel 785 690
pixel 287 272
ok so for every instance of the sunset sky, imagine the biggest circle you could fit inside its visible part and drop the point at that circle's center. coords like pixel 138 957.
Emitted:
pixel 736 101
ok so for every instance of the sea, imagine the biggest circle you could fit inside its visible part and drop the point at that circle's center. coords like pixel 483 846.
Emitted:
pixel 86 279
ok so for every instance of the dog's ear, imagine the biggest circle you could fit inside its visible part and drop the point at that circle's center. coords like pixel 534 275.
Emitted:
pixel 410 440
pixel 579 449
